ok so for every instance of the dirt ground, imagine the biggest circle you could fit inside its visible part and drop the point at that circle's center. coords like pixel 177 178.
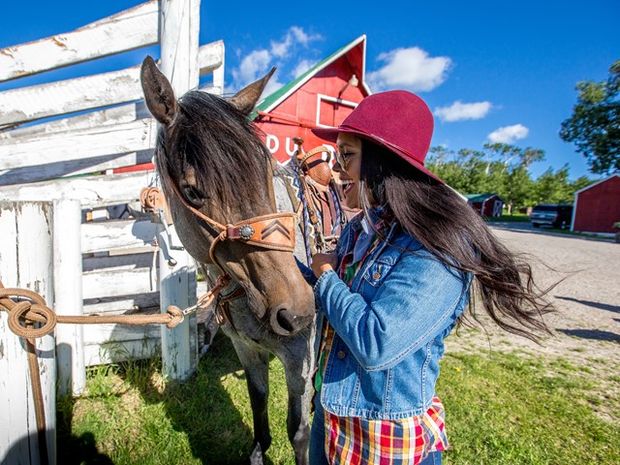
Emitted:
pixel 586 325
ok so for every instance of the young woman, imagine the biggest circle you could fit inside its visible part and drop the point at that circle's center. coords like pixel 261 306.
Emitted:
pixel 395 288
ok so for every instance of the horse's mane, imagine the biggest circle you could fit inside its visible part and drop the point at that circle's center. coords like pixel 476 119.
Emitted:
pixel 222 145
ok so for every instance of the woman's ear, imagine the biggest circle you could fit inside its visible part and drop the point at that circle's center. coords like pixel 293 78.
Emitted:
pixel 245 100
pixel 158 93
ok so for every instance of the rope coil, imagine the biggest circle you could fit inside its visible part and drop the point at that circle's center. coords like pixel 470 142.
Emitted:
pixel 31 318
pixel 32 309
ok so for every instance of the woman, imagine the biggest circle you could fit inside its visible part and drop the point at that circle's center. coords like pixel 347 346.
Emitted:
pixel 395 288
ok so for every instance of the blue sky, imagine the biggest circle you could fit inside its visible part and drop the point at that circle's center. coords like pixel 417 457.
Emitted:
pixel 510 65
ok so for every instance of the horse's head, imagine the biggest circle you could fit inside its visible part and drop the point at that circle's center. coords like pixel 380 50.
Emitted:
pixel 210 160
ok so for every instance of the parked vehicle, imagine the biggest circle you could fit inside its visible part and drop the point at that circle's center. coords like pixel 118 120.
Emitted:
pixel 557 216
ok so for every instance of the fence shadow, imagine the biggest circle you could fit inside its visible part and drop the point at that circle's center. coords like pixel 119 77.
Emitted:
pixel 204 410
pixel 72 449
pixel 596 334
pixel 590 303
pixel 526 228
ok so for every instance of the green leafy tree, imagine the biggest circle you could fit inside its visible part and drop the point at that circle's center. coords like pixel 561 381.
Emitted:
pixel 594 126
pixel 554 187
pixel 504 169
pixel 580 183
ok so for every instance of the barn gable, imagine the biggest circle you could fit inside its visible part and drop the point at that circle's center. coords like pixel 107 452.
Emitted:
pixel 597 206
pixel 322 96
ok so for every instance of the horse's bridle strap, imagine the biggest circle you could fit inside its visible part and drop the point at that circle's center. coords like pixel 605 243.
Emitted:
pixel 275 230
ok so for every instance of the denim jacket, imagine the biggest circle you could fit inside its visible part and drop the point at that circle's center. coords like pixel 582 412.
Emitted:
pixel 390 326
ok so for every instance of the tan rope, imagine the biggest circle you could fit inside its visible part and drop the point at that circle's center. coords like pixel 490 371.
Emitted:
pixel 32 309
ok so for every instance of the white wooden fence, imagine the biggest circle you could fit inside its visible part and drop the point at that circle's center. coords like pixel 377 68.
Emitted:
pixel 64 140
pixel 47 153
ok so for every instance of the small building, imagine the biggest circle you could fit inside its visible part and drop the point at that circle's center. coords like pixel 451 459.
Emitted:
pixel 323 96
pixel 486 204
pixel 597 206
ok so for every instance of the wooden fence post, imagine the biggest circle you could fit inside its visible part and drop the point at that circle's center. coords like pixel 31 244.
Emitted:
pixel 26 262
pixel 179 27
pixel 68 295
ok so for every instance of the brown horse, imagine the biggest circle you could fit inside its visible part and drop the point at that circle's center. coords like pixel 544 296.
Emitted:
pixel 216 171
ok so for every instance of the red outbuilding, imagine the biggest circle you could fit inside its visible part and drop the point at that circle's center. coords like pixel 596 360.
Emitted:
pixel 323 96
pixel 597 206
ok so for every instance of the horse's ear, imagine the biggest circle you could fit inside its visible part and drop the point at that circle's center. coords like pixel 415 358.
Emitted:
pixel 158 93
pixel 246 98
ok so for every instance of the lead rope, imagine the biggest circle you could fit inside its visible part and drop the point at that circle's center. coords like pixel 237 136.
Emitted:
pixel 31 309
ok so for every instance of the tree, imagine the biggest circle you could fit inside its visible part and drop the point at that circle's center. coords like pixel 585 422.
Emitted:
pixel 554 187
pixel 504 169
pixel 594 126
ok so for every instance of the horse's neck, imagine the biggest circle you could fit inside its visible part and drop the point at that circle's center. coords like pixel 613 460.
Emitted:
pixel 284 203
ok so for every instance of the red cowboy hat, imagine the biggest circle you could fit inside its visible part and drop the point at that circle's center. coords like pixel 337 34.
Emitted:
pixel 397 120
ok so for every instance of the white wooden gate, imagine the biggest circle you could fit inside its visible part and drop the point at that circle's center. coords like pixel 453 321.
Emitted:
pixel 48 153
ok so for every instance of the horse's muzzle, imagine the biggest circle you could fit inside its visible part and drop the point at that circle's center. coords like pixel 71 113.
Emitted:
pixel 285 323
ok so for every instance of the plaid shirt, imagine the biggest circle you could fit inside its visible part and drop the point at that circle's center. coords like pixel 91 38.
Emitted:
pixel 352 440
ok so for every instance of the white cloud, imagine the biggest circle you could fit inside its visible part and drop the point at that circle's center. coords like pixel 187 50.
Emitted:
pixel 294 35
pixel 509 134
pixel 302 67
pixel 410 68
pixel 252 66
pixel 460 111
pixel 258 62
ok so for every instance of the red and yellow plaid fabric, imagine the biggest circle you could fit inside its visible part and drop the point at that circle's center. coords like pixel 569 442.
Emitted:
pixel 353 441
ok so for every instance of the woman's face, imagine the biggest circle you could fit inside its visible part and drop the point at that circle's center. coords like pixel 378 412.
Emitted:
pixel 350 154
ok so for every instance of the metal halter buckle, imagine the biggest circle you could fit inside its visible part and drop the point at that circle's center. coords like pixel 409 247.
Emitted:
pixel 246 232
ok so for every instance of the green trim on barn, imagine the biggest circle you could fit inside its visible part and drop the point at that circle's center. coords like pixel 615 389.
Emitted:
pixel 474 198
pixel 279 95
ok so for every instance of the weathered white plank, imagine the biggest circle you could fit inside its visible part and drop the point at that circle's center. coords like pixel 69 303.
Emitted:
pixel 124 304
pixel 127 30
pixel 218 73
pixel 141 260
pixel 211 58
pixel 71 95
pixel 93 165
pixel 115 352
pixel 99 237
pixel 101 334
pixel 26 262
pixel 68 295
pixel 120 114
pixel 118 281
pixel 67 96
pixel 180 23
pixel 93 191
pixel 94 142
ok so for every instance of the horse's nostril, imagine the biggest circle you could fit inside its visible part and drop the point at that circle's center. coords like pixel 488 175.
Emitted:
pixel 286 320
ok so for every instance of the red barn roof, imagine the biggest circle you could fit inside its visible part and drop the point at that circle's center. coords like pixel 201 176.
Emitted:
pixel 322 96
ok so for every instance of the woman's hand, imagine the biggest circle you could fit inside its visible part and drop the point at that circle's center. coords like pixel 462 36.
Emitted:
pixel 323 262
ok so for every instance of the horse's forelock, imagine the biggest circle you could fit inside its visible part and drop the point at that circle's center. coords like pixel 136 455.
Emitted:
pixel 222 146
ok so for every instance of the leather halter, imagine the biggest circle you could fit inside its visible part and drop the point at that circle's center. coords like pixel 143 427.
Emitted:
pixel 274 231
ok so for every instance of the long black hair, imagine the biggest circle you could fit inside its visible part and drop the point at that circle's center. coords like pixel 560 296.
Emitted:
pixel 457 235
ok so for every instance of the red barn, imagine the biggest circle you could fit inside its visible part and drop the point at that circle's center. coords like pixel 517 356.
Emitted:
pixel 322 96
pixel 486 204
pixel 597 207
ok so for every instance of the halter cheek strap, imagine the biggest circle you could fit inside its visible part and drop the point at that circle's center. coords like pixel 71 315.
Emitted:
pixel 274 231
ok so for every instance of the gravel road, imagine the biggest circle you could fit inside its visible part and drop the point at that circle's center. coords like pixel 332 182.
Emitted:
pixel 586 326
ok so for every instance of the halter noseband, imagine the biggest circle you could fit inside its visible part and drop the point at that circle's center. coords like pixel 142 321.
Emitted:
pixel 274 231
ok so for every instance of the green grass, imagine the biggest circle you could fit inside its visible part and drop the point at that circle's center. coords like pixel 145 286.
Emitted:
pixel 502 409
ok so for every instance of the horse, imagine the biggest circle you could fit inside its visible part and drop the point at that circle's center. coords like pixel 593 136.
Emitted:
pixel 218 180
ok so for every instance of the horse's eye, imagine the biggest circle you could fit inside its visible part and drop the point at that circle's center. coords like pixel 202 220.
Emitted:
pixel 193 195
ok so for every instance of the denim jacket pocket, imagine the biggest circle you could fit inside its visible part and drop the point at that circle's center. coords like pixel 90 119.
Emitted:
pixel 376 273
